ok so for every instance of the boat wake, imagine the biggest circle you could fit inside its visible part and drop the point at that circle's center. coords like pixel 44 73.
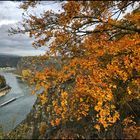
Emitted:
pixel 11 100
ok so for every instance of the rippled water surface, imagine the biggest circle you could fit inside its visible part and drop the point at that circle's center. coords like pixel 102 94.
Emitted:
pixel 16 111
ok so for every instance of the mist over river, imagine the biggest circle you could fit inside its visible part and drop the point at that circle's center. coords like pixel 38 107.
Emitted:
pixel 15 112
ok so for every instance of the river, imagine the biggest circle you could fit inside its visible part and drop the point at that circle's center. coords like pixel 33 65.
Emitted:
pixel 13 113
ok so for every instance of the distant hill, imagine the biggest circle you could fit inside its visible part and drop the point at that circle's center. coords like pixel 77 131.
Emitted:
pixel 9 60
pixel 38 63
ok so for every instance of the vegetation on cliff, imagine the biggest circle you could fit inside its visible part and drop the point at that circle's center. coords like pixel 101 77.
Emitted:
pixel 97 86
pixel 2 81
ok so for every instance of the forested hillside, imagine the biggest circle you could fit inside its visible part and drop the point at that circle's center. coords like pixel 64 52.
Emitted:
pixel 36 63
pixel 9 60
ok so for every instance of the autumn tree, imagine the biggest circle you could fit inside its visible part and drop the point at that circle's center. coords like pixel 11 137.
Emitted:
pixel 99 51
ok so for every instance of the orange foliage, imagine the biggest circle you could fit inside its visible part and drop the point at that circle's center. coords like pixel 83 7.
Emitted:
pixel 104 61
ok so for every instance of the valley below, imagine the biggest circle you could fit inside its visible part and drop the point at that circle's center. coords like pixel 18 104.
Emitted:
pixel 15 112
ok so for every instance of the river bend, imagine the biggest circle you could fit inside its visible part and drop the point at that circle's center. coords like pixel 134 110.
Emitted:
pixel 13 113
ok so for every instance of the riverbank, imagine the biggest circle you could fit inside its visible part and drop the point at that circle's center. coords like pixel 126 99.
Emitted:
pixel 7 69
pixel 4 90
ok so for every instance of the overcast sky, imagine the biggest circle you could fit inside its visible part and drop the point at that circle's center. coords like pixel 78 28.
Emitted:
pixel 10 15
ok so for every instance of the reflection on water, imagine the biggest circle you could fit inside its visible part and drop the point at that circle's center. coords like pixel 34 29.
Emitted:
pixel 16 111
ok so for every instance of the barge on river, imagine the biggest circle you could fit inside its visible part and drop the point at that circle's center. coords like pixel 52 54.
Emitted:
pixel 5 90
